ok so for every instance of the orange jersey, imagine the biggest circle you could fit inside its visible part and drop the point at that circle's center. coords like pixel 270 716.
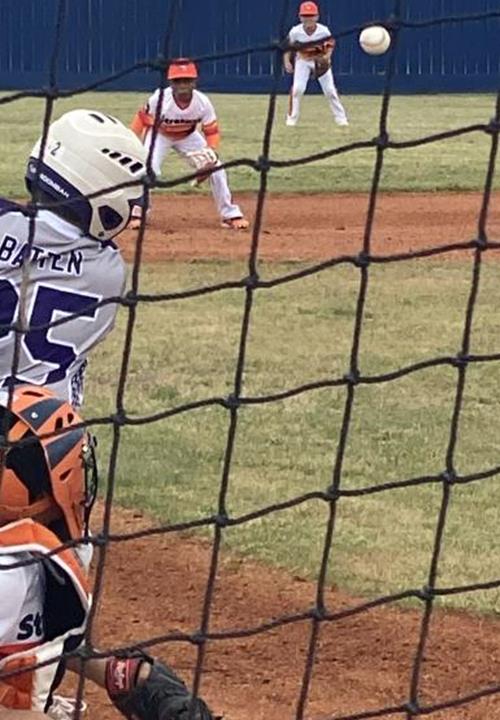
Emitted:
pixel 37 614
pixel 178 122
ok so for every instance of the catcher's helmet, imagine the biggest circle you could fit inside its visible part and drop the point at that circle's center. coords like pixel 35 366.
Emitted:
pixel 88 151
pixel 51 478
pixel 181 69
pixel 308 9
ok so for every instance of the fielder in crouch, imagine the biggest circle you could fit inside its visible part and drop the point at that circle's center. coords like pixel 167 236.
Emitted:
pixel 183 109
pixel 47 491
pixel 311 31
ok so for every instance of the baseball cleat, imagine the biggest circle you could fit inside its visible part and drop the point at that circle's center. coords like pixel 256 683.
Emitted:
pixel 290 122
pixel 342 123
pixel 239 223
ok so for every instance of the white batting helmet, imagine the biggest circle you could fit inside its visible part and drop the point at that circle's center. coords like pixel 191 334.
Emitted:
pixel 88 151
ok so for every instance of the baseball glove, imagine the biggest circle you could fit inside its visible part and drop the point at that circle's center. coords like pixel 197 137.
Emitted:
pixel 162 696
pixel 321 66
pixel 202 161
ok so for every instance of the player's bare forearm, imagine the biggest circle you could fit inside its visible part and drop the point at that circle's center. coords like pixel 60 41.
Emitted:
pixel 95 670
pixel 6 714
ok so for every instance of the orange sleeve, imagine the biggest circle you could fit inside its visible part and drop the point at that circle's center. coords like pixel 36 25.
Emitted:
pixel 212 134
pixel 140 122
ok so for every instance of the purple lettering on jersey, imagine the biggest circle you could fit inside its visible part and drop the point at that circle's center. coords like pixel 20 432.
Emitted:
pixel 41 259
pixel 75 261
pixel 70 262
pixel 54 266
pixel 21 256
pixel 35 253
pixel 7 247
pixel 47 302
pixel 8 305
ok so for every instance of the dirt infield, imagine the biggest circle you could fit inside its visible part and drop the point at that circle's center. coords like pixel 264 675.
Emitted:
pixel 155 586
pixel 301 227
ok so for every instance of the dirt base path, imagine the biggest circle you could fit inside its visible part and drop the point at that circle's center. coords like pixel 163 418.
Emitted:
pixel 299 227
pixel 155 585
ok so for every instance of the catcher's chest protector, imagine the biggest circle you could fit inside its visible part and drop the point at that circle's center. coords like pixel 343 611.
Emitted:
pixel 66 607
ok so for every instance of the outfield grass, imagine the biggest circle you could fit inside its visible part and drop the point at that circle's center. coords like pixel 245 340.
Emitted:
pixel 299 333
pixel 458 163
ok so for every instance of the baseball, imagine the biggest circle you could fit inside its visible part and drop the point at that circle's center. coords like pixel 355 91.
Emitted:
pixel 374 40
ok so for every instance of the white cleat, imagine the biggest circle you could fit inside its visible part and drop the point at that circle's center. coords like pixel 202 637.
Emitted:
pixel 290 122
pixel 342 123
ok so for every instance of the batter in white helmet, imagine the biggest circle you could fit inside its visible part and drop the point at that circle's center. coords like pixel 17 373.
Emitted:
pixel 71 263
pixel 183 110
pixel 312 47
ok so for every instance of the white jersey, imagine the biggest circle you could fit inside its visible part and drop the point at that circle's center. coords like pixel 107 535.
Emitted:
pixel 68 273
pixel 22 594
pixel 40 616
pixel 178 122
pixel 298 35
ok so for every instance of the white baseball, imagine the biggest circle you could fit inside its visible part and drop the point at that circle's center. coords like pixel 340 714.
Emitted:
pixel 374 40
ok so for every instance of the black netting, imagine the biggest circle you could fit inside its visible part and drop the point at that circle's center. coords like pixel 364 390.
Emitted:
pixel 350 381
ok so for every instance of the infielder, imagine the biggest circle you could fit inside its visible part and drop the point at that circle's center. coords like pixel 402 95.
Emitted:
pixel 184 109
pixel 312 61
pixel 47 491
pixel 72 263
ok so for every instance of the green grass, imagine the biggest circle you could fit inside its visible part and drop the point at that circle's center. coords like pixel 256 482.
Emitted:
pixel 299 333
pixel 455 164
pixel 186 350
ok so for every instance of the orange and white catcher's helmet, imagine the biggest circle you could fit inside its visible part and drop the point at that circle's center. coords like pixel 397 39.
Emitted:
pixel 182 68
pixel 54 477
pixel 88 151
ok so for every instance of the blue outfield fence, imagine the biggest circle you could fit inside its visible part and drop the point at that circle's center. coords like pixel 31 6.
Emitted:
pixel 103 37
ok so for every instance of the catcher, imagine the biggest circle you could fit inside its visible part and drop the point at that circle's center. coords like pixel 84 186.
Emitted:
pixel 311 60
pixel 183 109
pixel 47 490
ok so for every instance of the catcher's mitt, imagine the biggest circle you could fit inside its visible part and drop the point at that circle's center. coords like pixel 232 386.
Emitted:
pixel 321 66
pixel 162 696
pixel 202 161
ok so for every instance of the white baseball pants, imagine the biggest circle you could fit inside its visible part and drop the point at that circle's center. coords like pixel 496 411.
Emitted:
pixel 301 74
pixel 218 180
